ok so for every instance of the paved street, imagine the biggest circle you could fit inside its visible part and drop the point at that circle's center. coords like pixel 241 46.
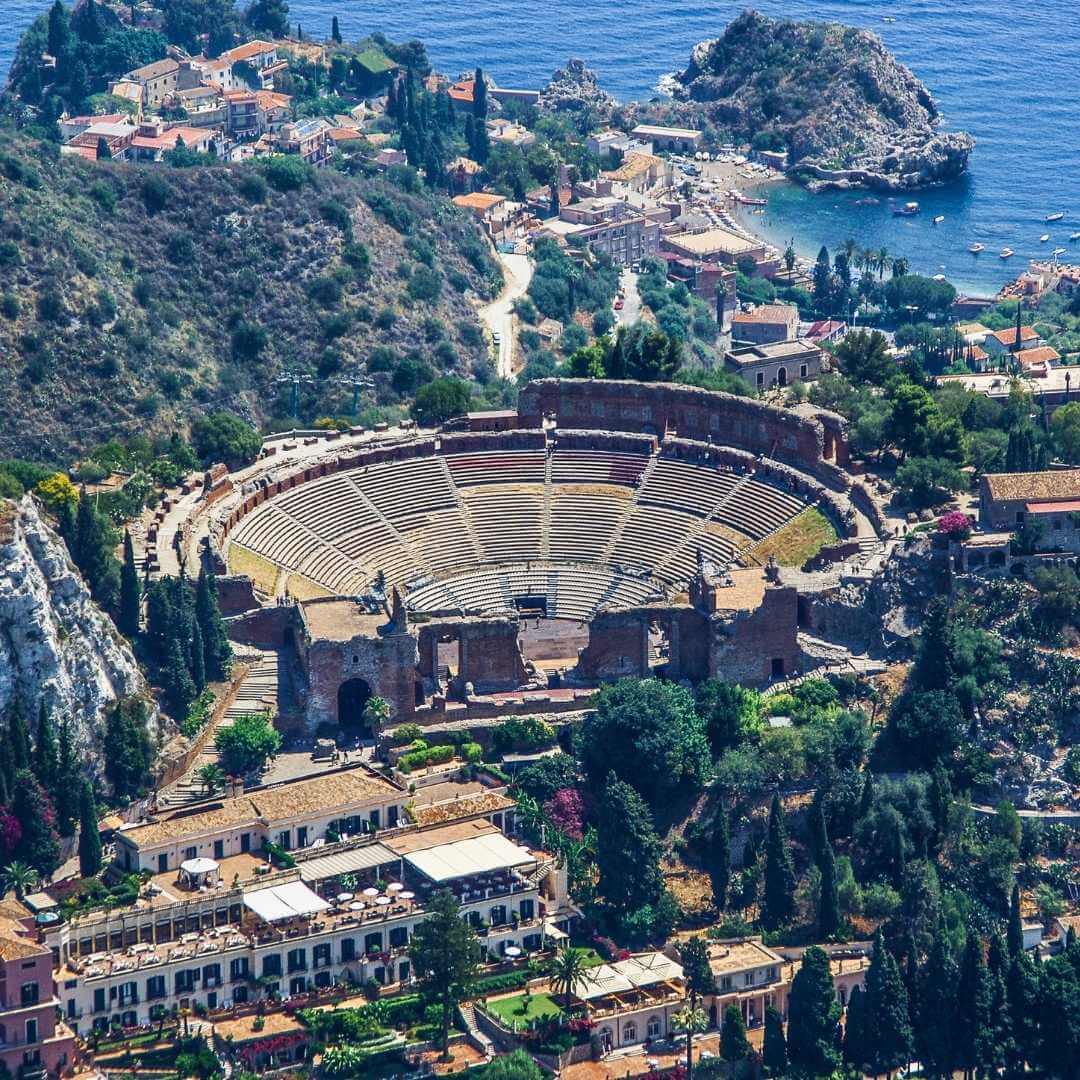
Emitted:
pixel 498 316
pixel 631 310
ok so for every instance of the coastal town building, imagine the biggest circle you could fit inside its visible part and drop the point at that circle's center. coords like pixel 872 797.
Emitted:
pixel 309 139
pixel 714 245
pixel 156 81
pixel 825 331
pixel 639 172
pixel 608 225
pixel 766 324
pixel 1050 500
pixel 777 364
pixel 33 1040
pixel 682 140
pixel 1002 342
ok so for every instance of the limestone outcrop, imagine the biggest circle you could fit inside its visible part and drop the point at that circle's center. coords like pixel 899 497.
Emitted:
pixel 56 645
pixel 847 112
pixel 576 88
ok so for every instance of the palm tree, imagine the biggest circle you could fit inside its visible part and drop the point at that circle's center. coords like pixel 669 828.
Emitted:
pixel 693 1022
pixel 865 259
pixel 376 714
pixel 211 777
pixel 899 266
pixel 850 248
pixel 882 261
pixel 568 971
pixel 19 877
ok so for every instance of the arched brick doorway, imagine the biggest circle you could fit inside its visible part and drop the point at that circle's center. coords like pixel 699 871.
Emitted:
pixel 353 696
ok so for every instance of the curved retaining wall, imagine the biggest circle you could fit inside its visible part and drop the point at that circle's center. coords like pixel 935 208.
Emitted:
pixel 706 416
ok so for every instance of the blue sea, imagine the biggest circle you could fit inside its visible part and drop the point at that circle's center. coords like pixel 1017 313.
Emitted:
pixel 1002 72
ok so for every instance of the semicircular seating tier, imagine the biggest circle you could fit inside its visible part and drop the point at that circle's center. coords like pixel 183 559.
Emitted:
pixel 479 531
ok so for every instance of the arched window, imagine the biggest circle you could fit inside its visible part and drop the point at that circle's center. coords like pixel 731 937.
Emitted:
pixel 654 1027
pixel 629 1032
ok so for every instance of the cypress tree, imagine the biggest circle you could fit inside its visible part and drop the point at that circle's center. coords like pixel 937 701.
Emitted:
pixel 774 1049
pixel 779 900
pixel 997 966
pixel 940 797
pixel 481 145
pixel 1015 929
pixel 45 760
pixel 889 1037
pixel 936 1033
pixel 974 995
pixel 217 652
pixel 866 799
pixel 19 736
pixel 130 591
pixel 89 836
pixel 856 1047
pixel 813 1016
pixel 179 688
pixel 819 831
pixel 934 664
pixel 7 769
pixel 198 662
pixel 734 1045
pixel 720 858
pixel 829 895
pixel 696 970
pixel 66 791
pixel 1022 989
pixel 335 30
pixel 159 619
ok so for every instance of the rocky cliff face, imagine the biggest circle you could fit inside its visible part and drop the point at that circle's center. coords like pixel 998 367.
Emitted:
pixel 848 113
pixel 55 644
pixel 576 87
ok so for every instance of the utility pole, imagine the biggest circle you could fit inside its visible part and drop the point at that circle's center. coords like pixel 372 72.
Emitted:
pixel 358 382
pixel 294 379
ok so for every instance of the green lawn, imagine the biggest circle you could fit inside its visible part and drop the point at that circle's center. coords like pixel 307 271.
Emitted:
pixel 509 1010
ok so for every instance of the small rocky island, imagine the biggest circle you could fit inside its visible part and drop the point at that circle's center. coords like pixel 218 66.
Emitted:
pixel 847 112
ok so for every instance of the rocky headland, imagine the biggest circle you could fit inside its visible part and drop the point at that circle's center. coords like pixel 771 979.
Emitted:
pixel 575 87
pixel 845 110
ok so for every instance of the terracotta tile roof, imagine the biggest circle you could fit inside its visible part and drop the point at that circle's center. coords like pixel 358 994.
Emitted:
pixel 155 70
pixel 768 313
pixel 1008 337
pixel 250 49
pixel 485 802
pixel 462 91
pixel 479 200
pixel 1034 486
pixel 633 166
pixel 14 945
pixel 315 796
pixel 1043 354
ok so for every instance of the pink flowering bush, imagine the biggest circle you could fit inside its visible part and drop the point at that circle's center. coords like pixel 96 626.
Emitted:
pixel 955 524
pixel 566 809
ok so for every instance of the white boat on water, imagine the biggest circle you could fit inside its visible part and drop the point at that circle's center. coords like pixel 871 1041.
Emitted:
pixel 1055 217
pixel 976 248
pixel 939 219
pixel 1005 253
pixel 1058 251
pixel 1045 236
pixel 1075 236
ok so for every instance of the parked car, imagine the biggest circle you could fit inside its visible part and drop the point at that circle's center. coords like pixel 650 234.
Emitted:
pixel 619 304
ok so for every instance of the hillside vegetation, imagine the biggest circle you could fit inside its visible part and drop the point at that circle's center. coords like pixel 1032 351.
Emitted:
pixel 134 297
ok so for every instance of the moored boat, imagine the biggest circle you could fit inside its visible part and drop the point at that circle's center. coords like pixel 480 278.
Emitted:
pixel 1005 253
pixel 976 248
pixel 907 210
pixel 1055 217
pixel 1045 236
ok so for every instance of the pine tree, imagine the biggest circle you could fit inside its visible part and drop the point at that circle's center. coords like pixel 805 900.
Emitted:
pixel 130 591
pixel 889 1038
pixel 813 1016
pixel 779 900
pixel 720 858
pixel 936 1033
pixel 974 995
pixel 39 845
pixel 335 30
pixel 774 1049
pixel 65 793
pixel 734 1045
pixel 89 836
pixel 45 759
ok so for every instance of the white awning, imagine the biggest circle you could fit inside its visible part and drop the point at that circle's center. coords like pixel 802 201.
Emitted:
pixel 477 855
pixel 600 981
pixel 289 901
pixel 649 968
pixel 346 862
pixel 198 866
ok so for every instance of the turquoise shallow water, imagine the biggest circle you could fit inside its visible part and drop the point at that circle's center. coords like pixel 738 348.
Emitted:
pixel 1002 72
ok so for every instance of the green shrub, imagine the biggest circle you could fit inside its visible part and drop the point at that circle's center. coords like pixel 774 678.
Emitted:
pixel 419 759
pixel 287 172
pixel 406 733
pixel 472 752
pixel 522 733
pixel 253 187
pixel 155 193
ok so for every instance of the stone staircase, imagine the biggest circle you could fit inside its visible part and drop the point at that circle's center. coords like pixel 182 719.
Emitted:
pixel 261 689
pixel 472 1030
